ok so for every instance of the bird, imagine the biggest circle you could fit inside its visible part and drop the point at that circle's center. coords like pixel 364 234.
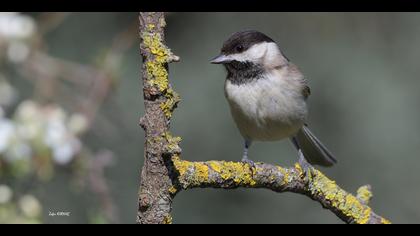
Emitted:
pixel 267 95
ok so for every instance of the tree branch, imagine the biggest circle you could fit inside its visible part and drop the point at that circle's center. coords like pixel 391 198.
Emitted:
pixel 228 175
pixel 164 174
pixel 155 199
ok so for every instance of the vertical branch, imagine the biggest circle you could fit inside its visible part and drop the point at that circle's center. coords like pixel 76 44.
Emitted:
pixel 156 185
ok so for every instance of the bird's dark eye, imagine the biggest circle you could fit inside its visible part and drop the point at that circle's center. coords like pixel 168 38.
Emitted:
pixel 239 48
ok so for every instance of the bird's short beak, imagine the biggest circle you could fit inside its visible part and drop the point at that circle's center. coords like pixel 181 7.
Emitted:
pixel 221 59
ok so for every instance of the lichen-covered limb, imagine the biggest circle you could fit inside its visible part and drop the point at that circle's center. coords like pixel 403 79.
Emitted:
pixel 155 198
pixel 221 174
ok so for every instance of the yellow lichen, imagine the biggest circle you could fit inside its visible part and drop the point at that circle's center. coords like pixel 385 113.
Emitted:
pixel 156 69
pixel 215 166
pixel 181 166
pixel 364 194
pixel 299 169
pixel 241 175
pixel 285 175
pixel 236 171
pixel 348 204
pixel 365 216
pixel 156 139
pixel 150 27
pixel 173 190
pixel 167 219
pixel 162 22
pixel 173 142
pixel 153 42
pixel 201 173
pixel 385 221
pixel 172 99
pixel 158 74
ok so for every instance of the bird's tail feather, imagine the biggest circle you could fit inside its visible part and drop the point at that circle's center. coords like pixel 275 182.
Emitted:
pixel 313 150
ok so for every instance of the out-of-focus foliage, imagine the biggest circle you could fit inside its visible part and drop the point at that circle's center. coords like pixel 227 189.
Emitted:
pixel 38 136
pixel 15 31
pixel 26 209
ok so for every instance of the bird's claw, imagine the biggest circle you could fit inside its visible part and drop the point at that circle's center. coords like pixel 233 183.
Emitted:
pixel 306 167
pixel 249 162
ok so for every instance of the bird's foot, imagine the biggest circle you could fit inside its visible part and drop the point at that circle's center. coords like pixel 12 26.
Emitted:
pixel 306 167
pixel 249 162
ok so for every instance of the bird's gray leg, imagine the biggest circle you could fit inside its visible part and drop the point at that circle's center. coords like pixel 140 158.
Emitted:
pixel 306 167
pixel 303 163
pixel 245 153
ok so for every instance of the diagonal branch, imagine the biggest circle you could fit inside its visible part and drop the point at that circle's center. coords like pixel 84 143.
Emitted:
pixel 228 175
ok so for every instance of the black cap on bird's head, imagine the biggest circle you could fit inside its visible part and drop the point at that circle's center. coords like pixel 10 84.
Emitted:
pixel 238 43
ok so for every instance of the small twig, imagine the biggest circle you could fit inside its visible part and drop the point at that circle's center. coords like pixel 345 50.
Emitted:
pixel 99 184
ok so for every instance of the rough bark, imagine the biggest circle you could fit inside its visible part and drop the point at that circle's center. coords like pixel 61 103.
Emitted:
pixel 159 100
pixel 164 174
pixel 314 184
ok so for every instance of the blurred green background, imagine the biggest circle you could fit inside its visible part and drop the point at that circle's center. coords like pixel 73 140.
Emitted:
pixel 363 70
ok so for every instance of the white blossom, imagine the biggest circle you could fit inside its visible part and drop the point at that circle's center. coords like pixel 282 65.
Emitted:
pixel 8 94
pixel 18 150
pixel 7 130
pixel 14 25
pixel 77 124
pixel 30 206
pixel 55 133
pixel 5 194
pixel 64 153
pixel 46 125
pixel 27 110
pixel 17 52
pixel 29 120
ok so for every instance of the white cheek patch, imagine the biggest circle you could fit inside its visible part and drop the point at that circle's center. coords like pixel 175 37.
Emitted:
pixel 266 53
pixel 273 57
pixel 254 53
pixel 257 52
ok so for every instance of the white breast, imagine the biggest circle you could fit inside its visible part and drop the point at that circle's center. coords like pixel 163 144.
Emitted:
pixel 267 109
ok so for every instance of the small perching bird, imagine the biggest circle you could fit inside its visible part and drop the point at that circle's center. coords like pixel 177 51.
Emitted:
pixel 267 96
